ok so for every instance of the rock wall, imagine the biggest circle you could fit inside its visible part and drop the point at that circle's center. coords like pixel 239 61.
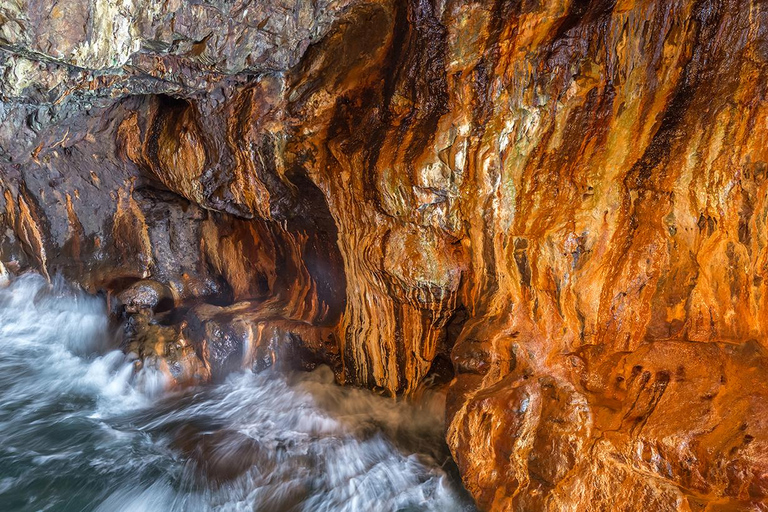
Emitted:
pixel 560 205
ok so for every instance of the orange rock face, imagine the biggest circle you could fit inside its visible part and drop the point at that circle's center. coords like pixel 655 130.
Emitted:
pixel 568 200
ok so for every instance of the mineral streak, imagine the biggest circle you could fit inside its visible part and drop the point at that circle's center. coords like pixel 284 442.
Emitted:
pixel 564 201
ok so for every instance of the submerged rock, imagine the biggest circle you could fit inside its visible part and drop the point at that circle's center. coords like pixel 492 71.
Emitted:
pixel 222 455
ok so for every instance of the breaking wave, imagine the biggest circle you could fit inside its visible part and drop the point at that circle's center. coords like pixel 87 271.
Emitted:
pixel 81 430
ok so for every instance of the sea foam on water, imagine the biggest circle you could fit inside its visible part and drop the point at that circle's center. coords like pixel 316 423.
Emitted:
pixel 82 430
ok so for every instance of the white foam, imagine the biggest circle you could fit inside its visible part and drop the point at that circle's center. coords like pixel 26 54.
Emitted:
pixel 72 406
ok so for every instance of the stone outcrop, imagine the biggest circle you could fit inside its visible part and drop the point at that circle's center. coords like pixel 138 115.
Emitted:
pixel 564 203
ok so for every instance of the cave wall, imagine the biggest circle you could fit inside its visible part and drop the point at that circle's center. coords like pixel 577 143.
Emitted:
pixel 566 198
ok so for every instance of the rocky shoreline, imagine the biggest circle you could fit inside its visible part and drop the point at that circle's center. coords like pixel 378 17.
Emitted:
pixel 555 209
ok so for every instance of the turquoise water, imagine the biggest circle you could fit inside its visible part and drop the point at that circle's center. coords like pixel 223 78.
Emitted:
pixel 80 430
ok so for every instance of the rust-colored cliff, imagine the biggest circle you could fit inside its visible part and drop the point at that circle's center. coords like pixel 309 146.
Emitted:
pixel 561 207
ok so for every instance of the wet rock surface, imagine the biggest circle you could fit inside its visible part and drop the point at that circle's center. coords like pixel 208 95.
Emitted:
pixel 146 294
pixel 164 350
pixel 567 197
pixel 220 456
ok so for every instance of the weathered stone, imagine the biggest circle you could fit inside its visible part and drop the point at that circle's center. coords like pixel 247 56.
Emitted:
pixel 164 350
pixel 146 294
pixel 673 423
pixel 568 197
pixel 254 336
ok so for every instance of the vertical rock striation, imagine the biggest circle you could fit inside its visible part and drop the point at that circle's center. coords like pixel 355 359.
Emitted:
pixel 566 199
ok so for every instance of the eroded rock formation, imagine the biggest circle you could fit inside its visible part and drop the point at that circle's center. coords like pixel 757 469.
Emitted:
pixel 562 205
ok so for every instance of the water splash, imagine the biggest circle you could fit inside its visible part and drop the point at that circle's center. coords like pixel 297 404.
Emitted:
pixel 82 431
